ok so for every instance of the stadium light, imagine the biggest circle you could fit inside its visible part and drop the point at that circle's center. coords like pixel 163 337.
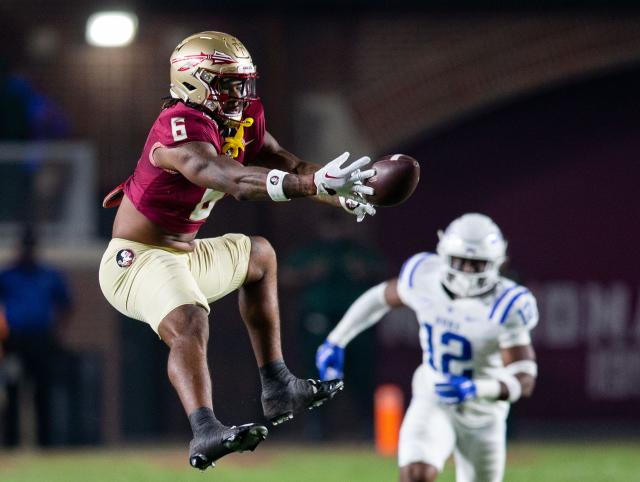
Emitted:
pixel 111 29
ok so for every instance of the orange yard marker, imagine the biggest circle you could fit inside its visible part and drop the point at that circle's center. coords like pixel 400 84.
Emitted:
pixel 388 411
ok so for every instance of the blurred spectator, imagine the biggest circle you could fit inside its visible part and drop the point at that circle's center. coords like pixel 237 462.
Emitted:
pixel 26 113
pixel 327 274
pixel 36 302
pixel 4 331
pixel 14 115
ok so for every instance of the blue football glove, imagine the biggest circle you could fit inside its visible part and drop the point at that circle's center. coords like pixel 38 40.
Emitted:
pixel 456 389
pixel 330 361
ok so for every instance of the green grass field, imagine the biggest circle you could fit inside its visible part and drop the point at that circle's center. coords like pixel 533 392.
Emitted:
pixel 531 462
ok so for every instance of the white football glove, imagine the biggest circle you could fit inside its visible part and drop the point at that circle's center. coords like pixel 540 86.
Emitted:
pixel 358 208
pixel 346 181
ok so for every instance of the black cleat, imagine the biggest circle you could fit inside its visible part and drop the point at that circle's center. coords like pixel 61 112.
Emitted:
pixel 280 406
pixel 204 451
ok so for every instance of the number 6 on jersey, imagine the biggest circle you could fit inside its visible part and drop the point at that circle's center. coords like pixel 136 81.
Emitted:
pixel 178 129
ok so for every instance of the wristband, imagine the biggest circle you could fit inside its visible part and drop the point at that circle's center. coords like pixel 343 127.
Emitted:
pixel 514 388
pixel 487 388
pixel 529 367
pixel 274 183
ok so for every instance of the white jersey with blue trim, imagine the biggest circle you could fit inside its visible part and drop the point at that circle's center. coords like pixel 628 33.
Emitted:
pixel 463 336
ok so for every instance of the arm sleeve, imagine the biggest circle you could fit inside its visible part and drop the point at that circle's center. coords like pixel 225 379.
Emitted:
pixel 366 311
pixel 517 319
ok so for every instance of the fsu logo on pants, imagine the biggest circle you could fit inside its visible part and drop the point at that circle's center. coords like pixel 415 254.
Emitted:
pixel 125 257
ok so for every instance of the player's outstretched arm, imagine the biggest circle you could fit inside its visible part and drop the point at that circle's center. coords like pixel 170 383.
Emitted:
pixel 366 311
pixel 200 163
pixel 273 156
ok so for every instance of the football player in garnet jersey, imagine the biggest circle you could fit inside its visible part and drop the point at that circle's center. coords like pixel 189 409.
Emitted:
pixel 210 140
pixel 478 357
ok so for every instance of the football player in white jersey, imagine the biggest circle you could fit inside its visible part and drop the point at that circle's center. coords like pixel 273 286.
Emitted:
pixel 477 352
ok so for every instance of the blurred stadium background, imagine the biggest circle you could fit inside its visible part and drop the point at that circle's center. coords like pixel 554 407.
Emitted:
pixel 527 114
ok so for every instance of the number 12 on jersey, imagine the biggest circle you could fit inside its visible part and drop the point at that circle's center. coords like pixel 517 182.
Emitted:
pixel 447 348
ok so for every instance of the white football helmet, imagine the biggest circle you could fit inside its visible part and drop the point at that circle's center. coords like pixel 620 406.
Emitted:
pixel 213 70
pixel 473 250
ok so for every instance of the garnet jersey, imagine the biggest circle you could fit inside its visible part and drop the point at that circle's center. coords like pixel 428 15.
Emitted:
pixel 463 336
pixel 168 198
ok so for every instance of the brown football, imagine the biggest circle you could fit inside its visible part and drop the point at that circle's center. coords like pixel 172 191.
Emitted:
pixel 396 178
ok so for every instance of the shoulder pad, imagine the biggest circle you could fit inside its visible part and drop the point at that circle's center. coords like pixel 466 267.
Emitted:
pixel 515 305
pixel 182 123
pixel 421 263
